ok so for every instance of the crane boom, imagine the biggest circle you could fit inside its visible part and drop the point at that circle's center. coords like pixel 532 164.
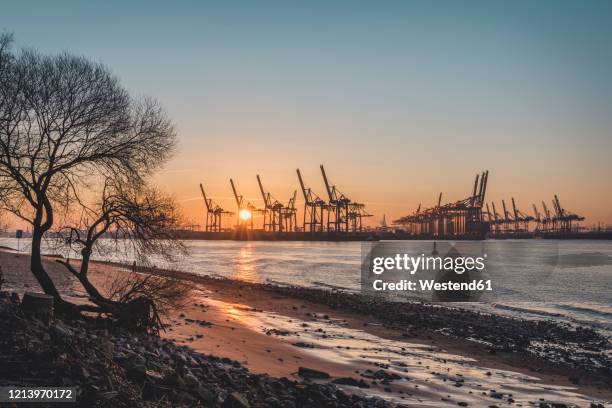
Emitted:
pixel 304 190
pixel 483 190
pixel 205 199
pixel 558 207
pixel 505 210
pixel 263 194
pixel 238 199
pixel 327 187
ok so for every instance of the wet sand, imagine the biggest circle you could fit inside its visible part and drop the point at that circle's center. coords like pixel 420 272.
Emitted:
pixel 275 334
pixel 261 331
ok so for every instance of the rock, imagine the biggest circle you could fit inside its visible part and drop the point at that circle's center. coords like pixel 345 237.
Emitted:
pixel 303 345
pixel 191 381
pixel 305 372
pixel 381 375
pixel 272 402
pixel 61 333
pixel 346 381
pixel 153 375
pixel 38 305
pixel 207 396
pixel 236 400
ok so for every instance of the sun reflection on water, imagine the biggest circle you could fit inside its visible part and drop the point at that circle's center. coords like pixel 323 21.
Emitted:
pixel 244 269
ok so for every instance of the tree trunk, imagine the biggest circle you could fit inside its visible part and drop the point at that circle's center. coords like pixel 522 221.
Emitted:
pixel 38 269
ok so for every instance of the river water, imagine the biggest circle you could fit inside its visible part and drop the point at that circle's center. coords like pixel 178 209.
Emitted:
pixel 576 287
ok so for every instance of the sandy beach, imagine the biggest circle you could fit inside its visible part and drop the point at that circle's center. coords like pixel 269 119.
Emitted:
pixel 270 332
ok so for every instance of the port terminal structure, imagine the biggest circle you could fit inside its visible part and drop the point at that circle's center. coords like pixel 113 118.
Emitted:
pixel 333 216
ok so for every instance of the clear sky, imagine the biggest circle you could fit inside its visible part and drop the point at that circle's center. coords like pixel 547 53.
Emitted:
pixel 399 99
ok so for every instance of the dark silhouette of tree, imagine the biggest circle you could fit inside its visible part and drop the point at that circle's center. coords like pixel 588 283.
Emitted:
pixel 65 123
pixel 130 219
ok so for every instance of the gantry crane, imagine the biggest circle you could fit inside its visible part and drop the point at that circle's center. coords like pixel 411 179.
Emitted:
pixel 337 210
pixel 537 217
pixel 547 221
pixel 343 215
pixel 314 207
pixel 290 214
pixel 507 218
pixel 497 219
pixel 274 210
pixel 521 220
pixel 491 219
pixel 463 217
pixel 214 213
pixel 565 219
pixel 356 214
pixel 244 205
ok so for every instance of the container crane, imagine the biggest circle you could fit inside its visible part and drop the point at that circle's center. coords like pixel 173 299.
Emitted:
pixel 214 213
pixel 537 218
pixel 338 207
pixel 273 210
pixel 246 210
pixel 313 208
pixel 290 214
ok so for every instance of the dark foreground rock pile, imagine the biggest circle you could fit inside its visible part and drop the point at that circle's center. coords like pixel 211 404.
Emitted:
pixel 113 368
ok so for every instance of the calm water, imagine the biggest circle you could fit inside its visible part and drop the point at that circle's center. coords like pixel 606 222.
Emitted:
pixel 575 287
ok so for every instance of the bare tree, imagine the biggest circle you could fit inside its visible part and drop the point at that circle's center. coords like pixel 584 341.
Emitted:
pixel 136 220
pixel 64 121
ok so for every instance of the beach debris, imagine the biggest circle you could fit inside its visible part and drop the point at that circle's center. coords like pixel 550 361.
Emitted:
pixel 306 372
pixel 303 345
pixel 381 375
pixel 351 381
pixel 277 332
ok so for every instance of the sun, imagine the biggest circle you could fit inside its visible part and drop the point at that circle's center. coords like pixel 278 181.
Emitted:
pixel 244 214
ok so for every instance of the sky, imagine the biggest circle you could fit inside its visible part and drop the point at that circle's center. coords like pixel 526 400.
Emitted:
pixel 400 100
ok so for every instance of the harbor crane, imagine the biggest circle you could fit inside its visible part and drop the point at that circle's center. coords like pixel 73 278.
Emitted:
pixel 497 219
pixel 214 213
pixel 547 221
pixel 343 215
pixel 507 218
pixel 290 214
pixel 337 211
pixel 274 210
pixel 463 217
pixel 565 219
pixel 314 207
pixel 537 218
pixel 521 220
pixel 246 210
